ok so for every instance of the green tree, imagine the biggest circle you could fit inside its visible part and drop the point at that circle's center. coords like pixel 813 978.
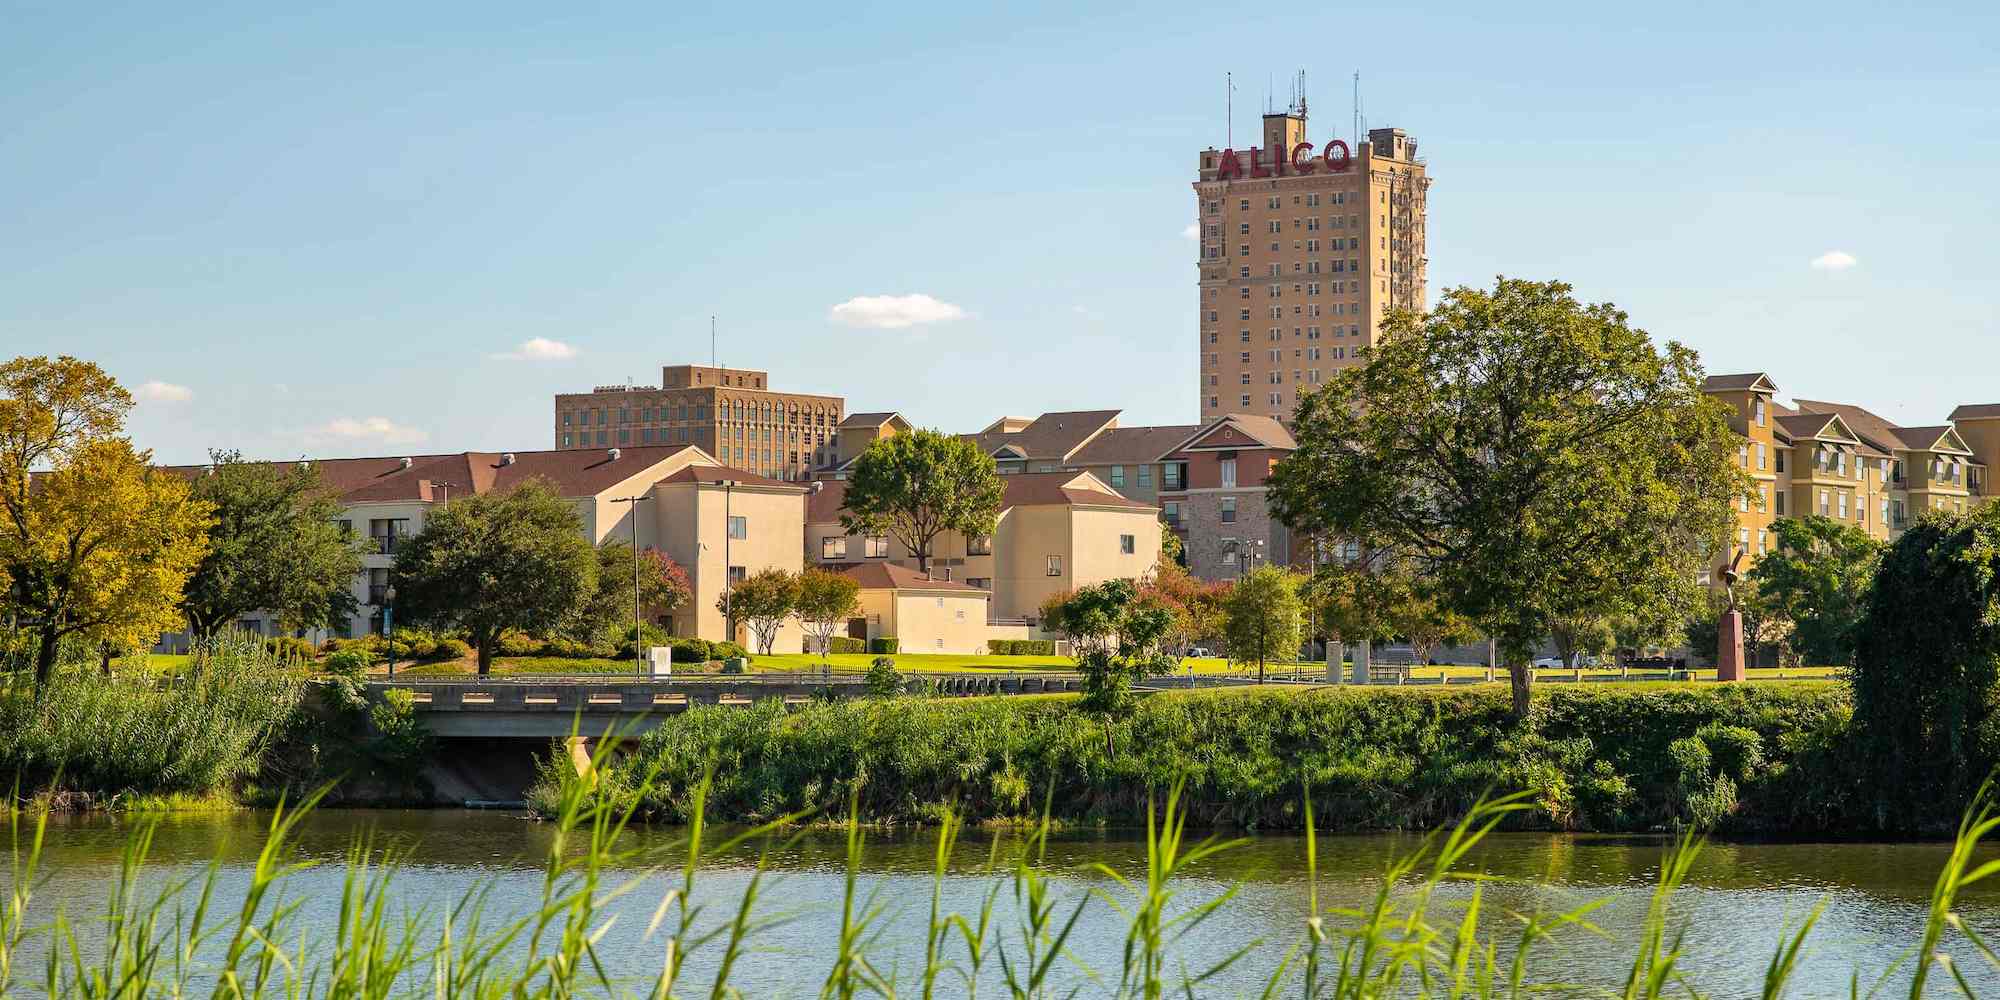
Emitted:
pixel 1117 634
pixel 762 600
pixel 1817 579
pixel 917 486
pixel 1927 668
pixel 276 545
pixel 1265 616
pixel 95 544
pixel 1194 606
pixel 1172 549
pixel 825 602
pixel 497 561
pixel 1538 459
pixel 662 587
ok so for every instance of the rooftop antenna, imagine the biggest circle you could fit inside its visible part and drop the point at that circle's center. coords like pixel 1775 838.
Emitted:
pixel 1357 109
pixel 711 341
pixel 1229 111
pixel 1299 96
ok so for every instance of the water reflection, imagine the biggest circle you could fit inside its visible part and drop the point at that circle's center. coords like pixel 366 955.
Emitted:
pixel 1739 900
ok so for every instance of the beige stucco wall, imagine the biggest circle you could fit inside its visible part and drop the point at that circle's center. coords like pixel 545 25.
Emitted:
pixel 940 622
pixel 691 522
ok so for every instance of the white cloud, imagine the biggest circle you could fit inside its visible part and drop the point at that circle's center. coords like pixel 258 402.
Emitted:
pixel 1834 260
pixel 539 349
pixel 164 392
pixel 367 429
pixel 894 312
pixel 1192 232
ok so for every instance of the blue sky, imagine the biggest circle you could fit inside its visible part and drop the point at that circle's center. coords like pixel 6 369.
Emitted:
pixel 325 231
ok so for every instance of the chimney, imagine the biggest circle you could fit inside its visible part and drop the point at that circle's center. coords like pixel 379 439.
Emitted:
pixel 506 458
pixel 612 454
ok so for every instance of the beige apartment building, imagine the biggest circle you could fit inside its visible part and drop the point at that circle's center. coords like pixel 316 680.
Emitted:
pixel 1842 461
pixel 718 523
pixel 730 413
pixel 1303 250
pixel 1057 531
pixel 926 615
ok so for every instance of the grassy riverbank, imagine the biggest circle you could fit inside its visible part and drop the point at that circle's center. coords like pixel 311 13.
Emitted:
pixel 1741 758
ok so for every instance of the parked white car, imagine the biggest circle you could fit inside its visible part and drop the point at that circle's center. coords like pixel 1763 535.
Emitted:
pixel 1197 651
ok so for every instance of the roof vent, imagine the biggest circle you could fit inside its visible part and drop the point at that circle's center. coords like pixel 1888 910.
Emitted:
pixel 814 486
pixel 613 453
pixel 404 463
pixel 507 458
pixel 303 464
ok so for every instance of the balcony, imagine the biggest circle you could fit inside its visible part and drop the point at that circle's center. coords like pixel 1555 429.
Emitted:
pixel 386 545
pixel 378 594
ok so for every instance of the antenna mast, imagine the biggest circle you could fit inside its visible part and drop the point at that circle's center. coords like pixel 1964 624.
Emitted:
pixel 1229 111
pixel 1356 124
pixel 711 341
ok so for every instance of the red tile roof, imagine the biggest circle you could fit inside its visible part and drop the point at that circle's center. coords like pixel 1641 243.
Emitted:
pixel 1051 436
pixel 576 472
pixel 1024 489
pixel 1133 445
pixel 1976 411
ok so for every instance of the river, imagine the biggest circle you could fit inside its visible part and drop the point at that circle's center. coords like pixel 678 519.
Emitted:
pixel 1738 901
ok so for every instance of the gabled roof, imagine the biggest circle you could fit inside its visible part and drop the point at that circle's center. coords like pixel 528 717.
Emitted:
pixel 875 420
pixel 1225 431
pixel 1736 383
pixel 1050 437
pixel 1818 427
pixel 1976 411
pixel 1133 445
pixel 1940 438
pixel 712 473
pixel 889 576
pixel 1024 489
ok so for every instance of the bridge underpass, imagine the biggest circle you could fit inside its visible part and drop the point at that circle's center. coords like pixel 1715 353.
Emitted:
pixel 490 731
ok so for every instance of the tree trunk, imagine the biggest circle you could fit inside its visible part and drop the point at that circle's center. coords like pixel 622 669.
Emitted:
pixel 484 648
pixel 1260 670
pixel 1520 678
pixel 45 659
pixel 104 659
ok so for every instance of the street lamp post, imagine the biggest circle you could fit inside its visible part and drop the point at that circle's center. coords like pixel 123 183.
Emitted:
pixel 389 626
pixel 638 650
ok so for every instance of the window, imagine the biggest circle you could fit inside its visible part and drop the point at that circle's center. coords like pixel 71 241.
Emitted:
pixel 980 546
pixel 387 533
pixel 833 547
pixel 981 582
pixel 1145 475
pixel 877 547
pixel 1228 510
pixel 1126 545
pixel 1762 456
pixel 1781 460
pixel 1171 513
pixel 1759 410
pixel 1228 469
pixel 1843 504
pixel 737 574
pixel 1781 500
pixel 1055 566
pixel 739 527
pixel 1170 476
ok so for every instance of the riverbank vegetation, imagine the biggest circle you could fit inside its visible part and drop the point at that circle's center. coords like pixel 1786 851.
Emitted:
pixel 1752 758
pixel 1426 930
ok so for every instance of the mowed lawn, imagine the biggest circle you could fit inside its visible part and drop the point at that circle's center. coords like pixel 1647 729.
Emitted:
pixel 167 663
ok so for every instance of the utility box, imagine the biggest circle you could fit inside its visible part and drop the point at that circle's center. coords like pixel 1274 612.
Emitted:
pixel 662 660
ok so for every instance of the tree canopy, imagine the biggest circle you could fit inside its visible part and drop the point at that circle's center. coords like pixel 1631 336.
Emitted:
pixel 276 545
pixel 95 544
pixel 1817 579
pixel 826 600
pixel 663 586
pixel 1265 617
pixel 1540 459
pixel 497 561
pixel 917 486
pixel 1927 667
pixel 762 600
pixel 1117 633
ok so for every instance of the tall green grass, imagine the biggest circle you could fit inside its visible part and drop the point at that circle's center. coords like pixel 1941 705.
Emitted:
pixel 144 738
pixel 1410 939
pixel 1740 758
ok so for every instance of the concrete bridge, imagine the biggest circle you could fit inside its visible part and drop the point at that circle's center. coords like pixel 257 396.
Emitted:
pixel 544 708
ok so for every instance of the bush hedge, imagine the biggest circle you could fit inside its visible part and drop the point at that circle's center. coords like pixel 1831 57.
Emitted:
pixel 1743 758
pixel 1021 647
pixel 845 644
pixel 885 645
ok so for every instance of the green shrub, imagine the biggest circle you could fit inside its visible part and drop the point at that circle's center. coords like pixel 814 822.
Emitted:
pixel 517 643
pixel 733 665
pixel 883 644
pixel 348 663
pixel 728 650
pixel 846 644
pixel 1596 758
pixel 690 650
pixel 883 681
pixel 650 636
pixel 1021 647
pixel 289 649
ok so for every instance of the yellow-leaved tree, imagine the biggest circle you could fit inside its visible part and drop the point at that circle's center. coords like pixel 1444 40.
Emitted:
pixel 95 543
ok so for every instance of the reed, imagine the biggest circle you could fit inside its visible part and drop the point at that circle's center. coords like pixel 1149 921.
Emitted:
pixel 184 939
